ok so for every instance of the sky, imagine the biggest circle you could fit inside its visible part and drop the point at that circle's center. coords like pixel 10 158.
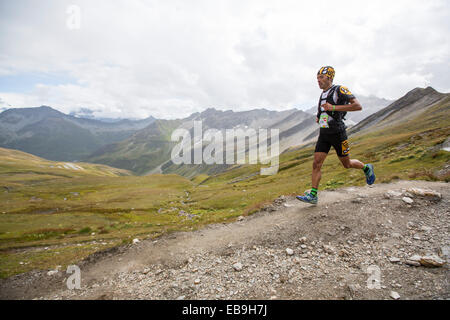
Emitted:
pixel 170 58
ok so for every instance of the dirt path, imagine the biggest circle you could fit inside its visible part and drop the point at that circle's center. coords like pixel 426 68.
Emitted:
pixel 332 246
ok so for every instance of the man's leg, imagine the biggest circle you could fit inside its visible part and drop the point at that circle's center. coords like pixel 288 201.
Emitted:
pixel 343 152
pixel 323 146
pixel 356 164
pixel 351 163
pixel 319 158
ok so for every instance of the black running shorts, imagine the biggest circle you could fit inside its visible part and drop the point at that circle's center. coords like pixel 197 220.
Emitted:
pixel 337 140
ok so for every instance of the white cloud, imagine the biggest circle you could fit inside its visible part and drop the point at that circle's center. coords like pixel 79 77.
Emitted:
pixel 171 58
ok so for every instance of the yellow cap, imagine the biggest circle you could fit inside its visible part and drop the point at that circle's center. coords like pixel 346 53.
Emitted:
pixel 329 71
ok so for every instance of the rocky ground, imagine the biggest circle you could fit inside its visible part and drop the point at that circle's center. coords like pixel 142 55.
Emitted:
pixel 388 241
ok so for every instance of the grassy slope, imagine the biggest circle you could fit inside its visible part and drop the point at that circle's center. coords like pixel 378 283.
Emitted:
pixel 43 205
pixel 102 211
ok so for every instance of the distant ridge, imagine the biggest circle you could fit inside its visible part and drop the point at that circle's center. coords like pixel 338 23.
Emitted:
pixel 410 105
pixel 53 135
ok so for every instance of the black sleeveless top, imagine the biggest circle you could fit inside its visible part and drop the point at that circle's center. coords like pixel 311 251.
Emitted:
pixel 336 95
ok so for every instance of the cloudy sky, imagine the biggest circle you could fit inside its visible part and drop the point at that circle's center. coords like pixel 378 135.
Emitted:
pixel 169 58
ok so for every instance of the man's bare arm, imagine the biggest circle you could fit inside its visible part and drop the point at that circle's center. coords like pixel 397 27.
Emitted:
pixel 353 106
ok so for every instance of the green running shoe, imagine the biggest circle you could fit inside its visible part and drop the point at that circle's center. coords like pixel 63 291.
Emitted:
pixel 370 174
pixel 308 198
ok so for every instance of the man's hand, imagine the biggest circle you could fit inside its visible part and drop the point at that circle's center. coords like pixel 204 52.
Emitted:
pixel 353 106
pixel 317 120
pixel 327 107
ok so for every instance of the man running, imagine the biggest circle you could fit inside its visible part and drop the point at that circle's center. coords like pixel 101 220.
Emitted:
pixel 333 105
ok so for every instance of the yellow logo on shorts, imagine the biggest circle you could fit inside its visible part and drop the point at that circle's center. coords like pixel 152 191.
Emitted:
pixel 345 148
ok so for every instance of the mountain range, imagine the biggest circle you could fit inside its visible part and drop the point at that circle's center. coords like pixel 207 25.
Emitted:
pixel 144 146
pixel 48 133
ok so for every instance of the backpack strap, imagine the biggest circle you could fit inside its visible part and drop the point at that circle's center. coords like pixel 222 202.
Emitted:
pixel 330 94
pixel 330 98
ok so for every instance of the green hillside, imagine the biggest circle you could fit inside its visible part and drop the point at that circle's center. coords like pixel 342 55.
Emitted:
pixel 142 152
pixel 16 165
pixel 66 207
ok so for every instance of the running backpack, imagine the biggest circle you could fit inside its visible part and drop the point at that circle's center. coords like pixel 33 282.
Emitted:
pixel 337 115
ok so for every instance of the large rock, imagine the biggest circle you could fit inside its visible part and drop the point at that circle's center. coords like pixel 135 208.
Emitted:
pixel 394 259
pixel 394 295
pixel 408 200
pixel 412 263
pixel 392 194
pixel 414 260
pixel 424 193
pixel 432 261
